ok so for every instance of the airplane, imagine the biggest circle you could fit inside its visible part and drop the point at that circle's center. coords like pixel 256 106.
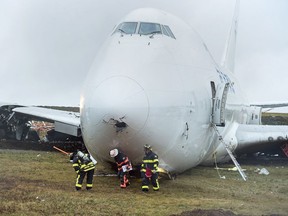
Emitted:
pixel 155 82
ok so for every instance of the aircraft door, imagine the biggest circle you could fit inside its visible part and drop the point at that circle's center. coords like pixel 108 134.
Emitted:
pixel 219 97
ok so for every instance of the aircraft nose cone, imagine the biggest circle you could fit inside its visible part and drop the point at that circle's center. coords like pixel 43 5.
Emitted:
pixel 122 99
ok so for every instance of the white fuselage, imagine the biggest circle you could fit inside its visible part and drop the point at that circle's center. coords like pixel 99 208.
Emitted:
pixel 160 88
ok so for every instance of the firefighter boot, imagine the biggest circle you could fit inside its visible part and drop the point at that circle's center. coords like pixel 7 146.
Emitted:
pixel 123 183
pixel 126 181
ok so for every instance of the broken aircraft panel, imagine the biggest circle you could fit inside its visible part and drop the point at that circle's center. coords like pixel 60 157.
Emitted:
pixel 17 124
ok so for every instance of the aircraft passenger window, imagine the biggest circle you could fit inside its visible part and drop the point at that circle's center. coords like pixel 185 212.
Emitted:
pixel 127 27
pixel 149 28
pixel 169 31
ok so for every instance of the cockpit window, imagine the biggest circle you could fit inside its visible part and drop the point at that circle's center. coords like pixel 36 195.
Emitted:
pixel 169 31
pixel 127 27
pixel 149 28
pixel 164 31
pixel 144 28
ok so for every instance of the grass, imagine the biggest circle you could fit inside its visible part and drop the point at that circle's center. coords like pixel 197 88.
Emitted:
pixel 274 118
pixel 42 183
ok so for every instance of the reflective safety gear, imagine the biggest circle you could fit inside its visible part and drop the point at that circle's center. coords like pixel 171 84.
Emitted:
pixel 89 180
pixel 83 165
pixel 114 153
pixel 154 181
pixel 125 182
pixel 149 171
pixel 124 166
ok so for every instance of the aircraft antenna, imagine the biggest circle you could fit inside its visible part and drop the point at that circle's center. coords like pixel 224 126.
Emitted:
pixel 228 59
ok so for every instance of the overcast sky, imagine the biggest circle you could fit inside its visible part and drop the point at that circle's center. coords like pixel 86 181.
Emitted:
pixel 47 46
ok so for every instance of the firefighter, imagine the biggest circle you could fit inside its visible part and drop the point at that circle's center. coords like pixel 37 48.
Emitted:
pixel 84 164
pixel 123 165
pixel 149 169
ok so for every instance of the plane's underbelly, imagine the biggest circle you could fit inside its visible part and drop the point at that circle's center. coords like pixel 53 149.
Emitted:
pixel 171 145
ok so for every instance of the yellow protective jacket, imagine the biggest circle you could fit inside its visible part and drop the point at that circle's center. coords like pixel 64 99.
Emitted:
pixel 81 165
pixel 150 162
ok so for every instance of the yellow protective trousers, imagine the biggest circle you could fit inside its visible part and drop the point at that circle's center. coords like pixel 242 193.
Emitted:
pixel 89 179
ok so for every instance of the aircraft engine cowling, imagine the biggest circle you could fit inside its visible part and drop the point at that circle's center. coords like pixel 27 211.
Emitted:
pixel 255 114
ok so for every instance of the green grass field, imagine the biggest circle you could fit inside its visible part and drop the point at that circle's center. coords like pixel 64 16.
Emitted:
pixel 274 118
pixel 42 183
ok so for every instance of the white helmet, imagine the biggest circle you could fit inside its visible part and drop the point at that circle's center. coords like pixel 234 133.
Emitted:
pixel 113 152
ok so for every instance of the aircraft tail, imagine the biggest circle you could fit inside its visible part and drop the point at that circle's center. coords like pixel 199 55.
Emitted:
pixel 228 59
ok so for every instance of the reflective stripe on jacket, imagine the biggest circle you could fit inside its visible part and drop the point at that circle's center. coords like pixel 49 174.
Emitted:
pixel 121 159
pixel 80 165
pixel 150 161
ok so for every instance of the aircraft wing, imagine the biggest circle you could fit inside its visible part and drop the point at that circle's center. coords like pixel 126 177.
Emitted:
pixel 260 137
pixel 65 121
pixel 271 105
pixel 71 118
